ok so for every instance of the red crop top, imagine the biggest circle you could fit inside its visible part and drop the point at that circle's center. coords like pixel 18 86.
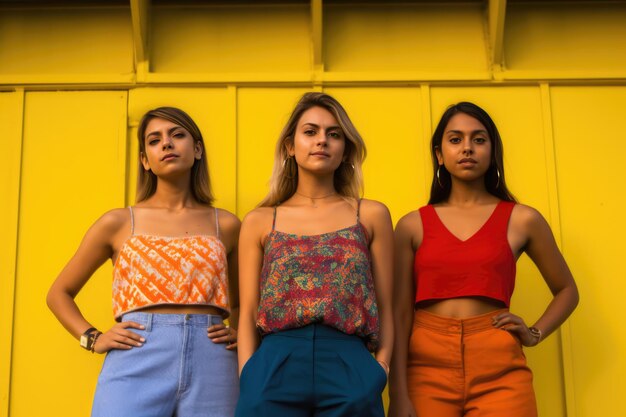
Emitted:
pixel 483 265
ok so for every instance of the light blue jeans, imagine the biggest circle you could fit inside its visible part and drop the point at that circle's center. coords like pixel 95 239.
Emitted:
pixel 178 371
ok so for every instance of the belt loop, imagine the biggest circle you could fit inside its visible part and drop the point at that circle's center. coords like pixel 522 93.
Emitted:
pixel 149 317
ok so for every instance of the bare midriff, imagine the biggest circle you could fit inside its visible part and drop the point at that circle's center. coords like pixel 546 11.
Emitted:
pixel 460 308
pixel 183 309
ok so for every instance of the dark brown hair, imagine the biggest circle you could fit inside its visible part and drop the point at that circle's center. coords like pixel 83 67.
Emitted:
pixel 200 182
pixel 494 177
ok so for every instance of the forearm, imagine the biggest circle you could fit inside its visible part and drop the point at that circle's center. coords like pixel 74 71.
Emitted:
pixel 67 312
pixel 233 319
pixel 404 324
pixel 248 339
pixel 385 349
pixel 559 309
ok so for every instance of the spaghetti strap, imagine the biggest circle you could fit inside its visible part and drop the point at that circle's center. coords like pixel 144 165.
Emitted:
pixel 358 210
pixel 274 219
pixel 217 223
pixel 132 221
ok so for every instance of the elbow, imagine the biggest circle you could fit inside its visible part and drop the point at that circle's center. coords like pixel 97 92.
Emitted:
pixel 575 297
pixel 51 298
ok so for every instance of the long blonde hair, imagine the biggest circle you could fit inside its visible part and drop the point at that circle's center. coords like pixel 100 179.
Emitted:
pixel 200 182
pixel 348 178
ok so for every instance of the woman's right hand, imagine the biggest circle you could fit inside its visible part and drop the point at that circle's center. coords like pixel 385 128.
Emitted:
pixel 401 407
pixel 119 337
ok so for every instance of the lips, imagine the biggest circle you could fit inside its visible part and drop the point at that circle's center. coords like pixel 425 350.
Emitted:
pixel 467 160
pixel 324 154
pixel 169 156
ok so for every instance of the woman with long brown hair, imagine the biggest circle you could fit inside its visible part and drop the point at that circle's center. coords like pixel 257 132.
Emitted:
pixel 174 281
pixel 315 277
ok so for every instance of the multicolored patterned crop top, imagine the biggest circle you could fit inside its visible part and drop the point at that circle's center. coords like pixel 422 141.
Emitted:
pixel 325 279
pixel 154 270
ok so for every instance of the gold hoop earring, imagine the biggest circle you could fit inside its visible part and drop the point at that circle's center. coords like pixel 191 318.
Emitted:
pixel 290 167
pixel 438 178
pixel 498 181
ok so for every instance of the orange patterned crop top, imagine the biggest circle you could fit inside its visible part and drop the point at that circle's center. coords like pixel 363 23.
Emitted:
pixel 155 270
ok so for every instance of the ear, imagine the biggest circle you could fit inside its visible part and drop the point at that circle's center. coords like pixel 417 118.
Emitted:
pixel 144 161
pixel 290 148
pixel 198 150
pixel 438 155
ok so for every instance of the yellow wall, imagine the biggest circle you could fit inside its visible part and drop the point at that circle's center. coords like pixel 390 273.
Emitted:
pixel 74 81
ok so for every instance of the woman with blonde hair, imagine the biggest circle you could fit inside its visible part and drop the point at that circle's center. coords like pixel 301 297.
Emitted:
pixel 174 264
pixel 315 277
pixel 458 348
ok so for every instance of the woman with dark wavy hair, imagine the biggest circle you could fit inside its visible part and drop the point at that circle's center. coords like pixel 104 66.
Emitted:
pixel 458 348
pixel 174 281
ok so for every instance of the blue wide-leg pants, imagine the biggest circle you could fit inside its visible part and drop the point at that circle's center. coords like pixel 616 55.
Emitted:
pixel 311 371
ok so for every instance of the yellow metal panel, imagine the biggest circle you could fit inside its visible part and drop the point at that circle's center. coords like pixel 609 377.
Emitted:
pixel 587 124
pixel 518 114
pixel 562 39
pixel 400 37
pixel 62 41
pixel 238 39
pixel 261 115
pixel 74 152
pixel 213 110
pixel 11 107
pixel 388 120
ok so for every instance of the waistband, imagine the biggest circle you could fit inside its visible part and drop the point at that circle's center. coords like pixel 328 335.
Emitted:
pixel 156 319
pixel 315 331
pixel 467 325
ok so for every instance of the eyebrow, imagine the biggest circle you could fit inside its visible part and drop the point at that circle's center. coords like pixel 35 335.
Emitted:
pixel 157 133
pixel 317 126
pixel 458 132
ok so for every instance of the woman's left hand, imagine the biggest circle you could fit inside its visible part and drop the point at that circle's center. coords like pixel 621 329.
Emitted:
pixel 516 325
pixel 220 333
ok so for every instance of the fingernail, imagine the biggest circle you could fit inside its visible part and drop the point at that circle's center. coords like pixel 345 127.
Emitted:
pixel 142 327
pixel 139 344
pixel 142 340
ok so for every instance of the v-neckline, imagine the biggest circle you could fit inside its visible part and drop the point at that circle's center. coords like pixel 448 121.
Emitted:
pixel 477 232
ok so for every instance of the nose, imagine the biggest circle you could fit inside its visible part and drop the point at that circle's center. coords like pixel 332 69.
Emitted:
pixel 321 138
pixel 467 147
pixel 167 142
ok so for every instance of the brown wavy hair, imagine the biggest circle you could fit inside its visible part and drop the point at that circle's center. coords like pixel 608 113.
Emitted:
pixel 200 182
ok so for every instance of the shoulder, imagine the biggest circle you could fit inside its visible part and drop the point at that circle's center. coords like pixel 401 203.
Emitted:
pixel 229 225
pixel 526 216
pixel 257 225
pixel 259 220
pixel 375 217
pixel 113 220
pixel 111 227
pixel 373 208
pixel 259 215
pixel 409 231
pixel 227 219
pixel 410 221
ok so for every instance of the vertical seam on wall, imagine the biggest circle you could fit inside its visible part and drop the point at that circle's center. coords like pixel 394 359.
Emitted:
pixel 555 222
pixel 426 133
pixel 11 319
pixel 124 126
pixel 233 93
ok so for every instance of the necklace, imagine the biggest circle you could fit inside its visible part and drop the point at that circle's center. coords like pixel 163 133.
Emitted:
pixel 313 199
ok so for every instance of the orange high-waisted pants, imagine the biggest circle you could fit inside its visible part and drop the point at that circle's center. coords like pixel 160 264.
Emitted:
pixel 467 367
